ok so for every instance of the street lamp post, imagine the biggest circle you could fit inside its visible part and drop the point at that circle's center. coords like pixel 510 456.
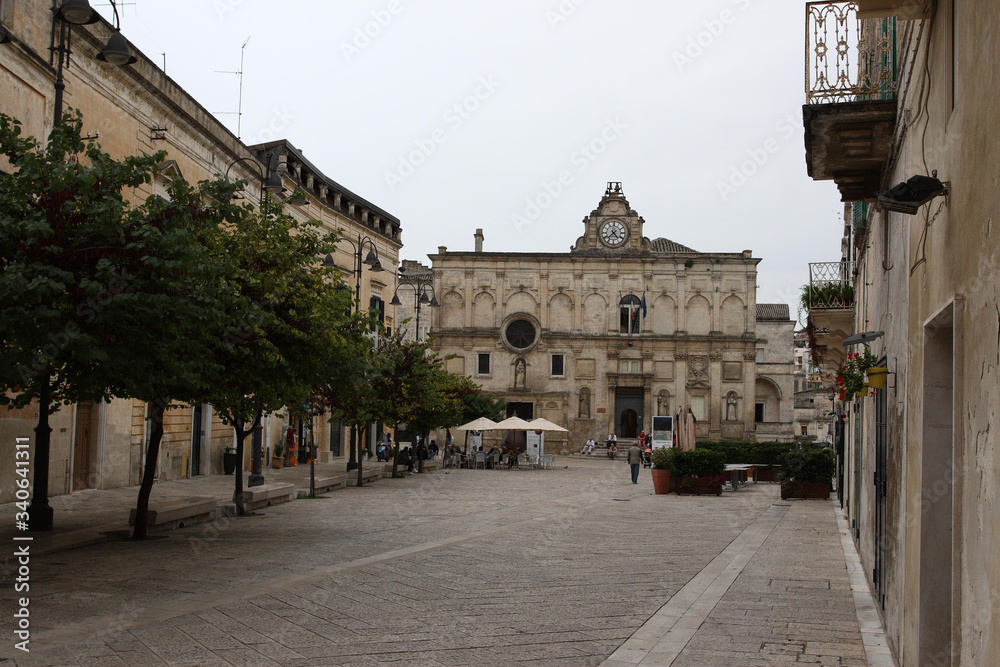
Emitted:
pixel 360 260
pixel 65 15
pixel 269 180
pixel 423 285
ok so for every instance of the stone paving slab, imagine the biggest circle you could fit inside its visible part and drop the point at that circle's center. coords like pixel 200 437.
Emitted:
pixel 556 567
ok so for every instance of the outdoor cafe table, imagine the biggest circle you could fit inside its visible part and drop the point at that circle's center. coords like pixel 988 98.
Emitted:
pixel 737 471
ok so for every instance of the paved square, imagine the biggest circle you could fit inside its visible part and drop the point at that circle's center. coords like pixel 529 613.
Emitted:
pixel 545 567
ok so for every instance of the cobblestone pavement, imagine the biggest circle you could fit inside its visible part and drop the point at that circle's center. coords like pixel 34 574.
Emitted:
pixel 547 567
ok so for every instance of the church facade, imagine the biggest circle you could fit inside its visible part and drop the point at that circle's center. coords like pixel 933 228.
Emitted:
pixel 618 330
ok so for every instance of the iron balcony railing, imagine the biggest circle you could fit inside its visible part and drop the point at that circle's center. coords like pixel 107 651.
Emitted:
pixel 848 59
pixel 831 285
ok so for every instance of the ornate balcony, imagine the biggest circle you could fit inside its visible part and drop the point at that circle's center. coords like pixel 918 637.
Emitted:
pixel 829 298
pixel 851 85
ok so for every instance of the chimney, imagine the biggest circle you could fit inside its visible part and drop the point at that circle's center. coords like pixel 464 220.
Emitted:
pixel 479 240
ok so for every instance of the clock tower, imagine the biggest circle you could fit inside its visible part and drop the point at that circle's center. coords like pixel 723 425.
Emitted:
pixel 613 227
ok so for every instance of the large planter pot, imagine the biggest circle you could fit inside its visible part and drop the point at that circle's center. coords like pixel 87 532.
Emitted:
pixel 877 377
pixel 277 461
pixel 229 461
pixel 661 481
pixel 805 490
pixel 765 474
pixel 699 486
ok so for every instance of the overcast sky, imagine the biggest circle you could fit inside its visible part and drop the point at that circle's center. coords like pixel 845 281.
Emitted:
pixel 512 116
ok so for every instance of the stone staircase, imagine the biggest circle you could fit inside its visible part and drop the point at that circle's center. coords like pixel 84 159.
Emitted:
pixel 601 451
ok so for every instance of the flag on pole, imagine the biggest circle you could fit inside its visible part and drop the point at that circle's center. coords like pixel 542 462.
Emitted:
pixel 644 304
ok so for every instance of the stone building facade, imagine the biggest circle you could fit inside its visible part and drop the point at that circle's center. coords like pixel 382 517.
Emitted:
pixel 920 465
pixel 139 109
pixel 618 330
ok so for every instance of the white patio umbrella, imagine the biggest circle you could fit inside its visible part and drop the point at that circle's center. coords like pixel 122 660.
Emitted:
pixel 545 425
pixel 513 424
pixel 481 424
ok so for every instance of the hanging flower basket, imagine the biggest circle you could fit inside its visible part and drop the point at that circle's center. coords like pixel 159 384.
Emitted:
pixel 852 378
pixel 877 377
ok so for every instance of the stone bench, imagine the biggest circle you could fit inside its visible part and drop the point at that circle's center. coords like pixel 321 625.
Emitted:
pixel 432 464
pixel 268 494
pixel 327 484
pixel 171 514
pixel 369 473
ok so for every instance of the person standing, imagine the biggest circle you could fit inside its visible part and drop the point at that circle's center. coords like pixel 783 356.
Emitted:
pixel 421 456
pixel 634 461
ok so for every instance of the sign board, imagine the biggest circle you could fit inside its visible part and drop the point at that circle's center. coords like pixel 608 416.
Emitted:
pixel 663 432
pixel 475 439
pixel 534 443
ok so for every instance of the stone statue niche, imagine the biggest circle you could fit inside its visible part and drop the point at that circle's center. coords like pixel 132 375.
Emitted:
pixel 584 408
pixel 663 403
pixel 520 374
pixel 732 407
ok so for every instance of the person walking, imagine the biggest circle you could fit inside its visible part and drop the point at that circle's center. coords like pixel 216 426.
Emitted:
pixel 634 461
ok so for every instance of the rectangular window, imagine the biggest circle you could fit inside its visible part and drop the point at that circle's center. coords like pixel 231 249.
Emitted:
pixel 484 363
pixel 557 364
pixel 758 413
pixel 630 366
pixel 805 429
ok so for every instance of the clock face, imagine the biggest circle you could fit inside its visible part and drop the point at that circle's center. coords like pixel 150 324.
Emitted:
pixel 613 233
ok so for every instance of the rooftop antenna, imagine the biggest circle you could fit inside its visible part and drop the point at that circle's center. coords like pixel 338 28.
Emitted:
pixel 239 109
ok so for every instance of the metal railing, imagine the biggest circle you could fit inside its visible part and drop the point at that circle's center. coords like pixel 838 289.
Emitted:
pixel 831 285
pixel 848 59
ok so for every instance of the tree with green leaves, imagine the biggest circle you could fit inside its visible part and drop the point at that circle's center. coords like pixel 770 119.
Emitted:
pixel 287 320
pixel 99 298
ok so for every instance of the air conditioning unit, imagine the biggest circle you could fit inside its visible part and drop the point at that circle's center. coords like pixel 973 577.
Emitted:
pixel 903 9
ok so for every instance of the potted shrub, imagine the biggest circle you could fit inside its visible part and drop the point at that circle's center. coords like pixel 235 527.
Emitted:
pixel 278 456
pixel 700 472
pixel 807 473
pixel 663 465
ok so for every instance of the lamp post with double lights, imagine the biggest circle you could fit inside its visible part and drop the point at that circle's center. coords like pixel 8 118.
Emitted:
pixel 423 293
pixel 375 266
pixel 269 181
pixel 65 15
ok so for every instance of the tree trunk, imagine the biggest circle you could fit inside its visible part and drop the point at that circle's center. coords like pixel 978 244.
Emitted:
pixel 149 474
pixel 239 426
pixel 40 513
pixel 360 482
pixel 395 451
pixel 257 455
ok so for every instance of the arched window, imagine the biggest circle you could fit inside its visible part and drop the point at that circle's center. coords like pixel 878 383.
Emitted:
pixel 631 314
